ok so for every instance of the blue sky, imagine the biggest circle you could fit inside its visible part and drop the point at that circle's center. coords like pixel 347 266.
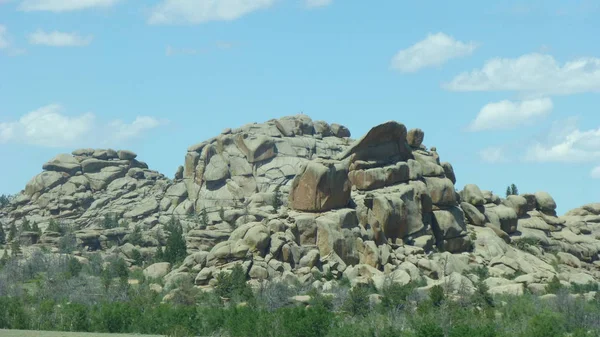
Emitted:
pixel 507 91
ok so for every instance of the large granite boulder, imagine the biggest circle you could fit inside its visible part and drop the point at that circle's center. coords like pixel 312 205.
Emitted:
pixel 320 186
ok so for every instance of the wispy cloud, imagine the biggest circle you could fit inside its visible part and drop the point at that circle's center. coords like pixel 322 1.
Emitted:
pixel 536 74
pixel 494 155
pixel 566 143
pixel 507 115
pixel 317 3
pixel 202 11
pixel 434 50
pixel 48 126
pixel 59 39
pixel 58 6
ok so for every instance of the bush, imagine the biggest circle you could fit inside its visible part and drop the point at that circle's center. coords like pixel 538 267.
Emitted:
pixel 554 286
pixel 357 303
pixel 437 295
pixel 545 324
pixel 74 267
pixel 395 295
pixel 233 285
pixel 175 249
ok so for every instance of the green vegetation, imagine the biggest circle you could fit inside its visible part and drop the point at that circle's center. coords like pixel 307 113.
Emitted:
pixel 58 292
pixel 175 249
pixel 512 190
pixel 5 200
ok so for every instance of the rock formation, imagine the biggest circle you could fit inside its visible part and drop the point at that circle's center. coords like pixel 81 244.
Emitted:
pixel 293 197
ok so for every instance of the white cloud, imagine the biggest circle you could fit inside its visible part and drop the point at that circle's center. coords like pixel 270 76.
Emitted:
pixel 49 127
pixel 3 37
pixel 434 50
pixel 201 11
pixel 122 130
pixel 532 73
pixel 63 5
pixel 59 39
pixel 595 172
pixel 566 143
pixel 494 155
pixel 506 114
pixel 317 3
pixel 46 126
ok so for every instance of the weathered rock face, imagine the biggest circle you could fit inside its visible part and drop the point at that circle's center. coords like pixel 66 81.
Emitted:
pixel 320 186
pixel 292 198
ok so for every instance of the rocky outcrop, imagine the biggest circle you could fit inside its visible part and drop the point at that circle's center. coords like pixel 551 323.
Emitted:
pixel 293 198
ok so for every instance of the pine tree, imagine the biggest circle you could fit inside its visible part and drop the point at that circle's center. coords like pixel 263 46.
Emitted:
pixel 2 235
pixel 36 228
pixel 15 247
pixel 514 190
pixel 508 191
pixel 25 225
pixel 12 232
pixel 4 258
pixel 175 250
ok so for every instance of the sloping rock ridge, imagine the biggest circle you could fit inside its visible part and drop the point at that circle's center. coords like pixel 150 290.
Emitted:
pixel 293 198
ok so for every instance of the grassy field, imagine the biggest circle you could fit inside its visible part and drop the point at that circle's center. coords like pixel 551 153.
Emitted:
pixel 27 333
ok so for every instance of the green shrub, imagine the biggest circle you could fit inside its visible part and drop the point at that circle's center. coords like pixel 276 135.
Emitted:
pixel 175 249
pixel 554 286
pixel 545 324
pixel 437 295
pixel 74 267
pixel 395 295
pixel 357 303
pixel 233 285
pixel 427 327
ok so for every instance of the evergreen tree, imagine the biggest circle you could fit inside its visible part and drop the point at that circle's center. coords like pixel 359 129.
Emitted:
pixel 277 198
pixel 514 190
pixel 25 225
pixel 12 232
pixel 175 250
pixel 2 235
pixel 160 254
pixel 4 258
pixel 15 247
pixel 36 228
pixel 508 191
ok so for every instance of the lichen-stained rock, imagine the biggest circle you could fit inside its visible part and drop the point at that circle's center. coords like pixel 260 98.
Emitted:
pixel 472 194
pixel 449 223
pixel 321 186
pixel 143 209
pixel 545 202
pixel 473 214
pixel 503 217
pixel 384 142
pixel 44 181
pixel 217 169
pixel 379 177
pixel 331 238
pixel 441 191
pixel 340 131
pixel 63 163
pixel 99 181
pixel 297 125
pixel 126 155
pixel 399 214
pixel 93 165
pixel 415 137
pixel 449 171
pixel 518 203
pixel 256 147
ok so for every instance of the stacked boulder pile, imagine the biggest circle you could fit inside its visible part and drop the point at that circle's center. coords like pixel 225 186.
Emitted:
pixel 292 198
